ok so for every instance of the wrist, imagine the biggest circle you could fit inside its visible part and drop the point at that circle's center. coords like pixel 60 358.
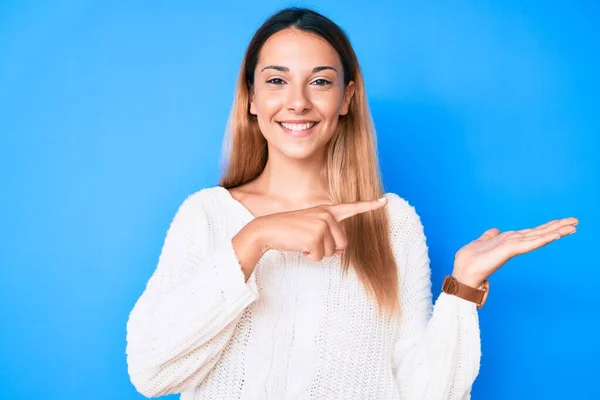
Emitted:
pixel 467 279
pixel 246 244
pixel 258 235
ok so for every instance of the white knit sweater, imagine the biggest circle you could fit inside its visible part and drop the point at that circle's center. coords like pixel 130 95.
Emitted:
pixel 297 329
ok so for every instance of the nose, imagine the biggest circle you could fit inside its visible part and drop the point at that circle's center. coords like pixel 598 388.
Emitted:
pixel 298 99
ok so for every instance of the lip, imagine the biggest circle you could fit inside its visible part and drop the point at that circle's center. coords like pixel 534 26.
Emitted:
pixel 298 134
pixel 297 121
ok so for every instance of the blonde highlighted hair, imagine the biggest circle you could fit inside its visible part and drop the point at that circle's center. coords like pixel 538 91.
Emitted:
pixel 352 167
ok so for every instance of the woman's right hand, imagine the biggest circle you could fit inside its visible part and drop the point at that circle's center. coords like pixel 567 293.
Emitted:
pixel 315 231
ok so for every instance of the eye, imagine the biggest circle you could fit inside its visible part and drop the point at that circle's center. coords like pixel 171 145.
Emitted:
pixel 321 82
pixel 276 81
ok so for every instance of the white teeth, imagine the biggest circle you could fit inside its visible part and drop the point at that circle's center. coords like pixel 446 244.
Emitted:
pixel 298 127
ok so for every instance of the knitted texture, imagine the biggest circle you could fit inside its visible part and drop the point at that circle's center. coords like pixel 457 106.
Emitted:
pixel 297 329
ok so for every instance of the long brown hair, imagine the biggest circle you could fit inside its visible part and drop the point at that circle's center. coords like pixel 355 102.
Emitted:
pixel 352 166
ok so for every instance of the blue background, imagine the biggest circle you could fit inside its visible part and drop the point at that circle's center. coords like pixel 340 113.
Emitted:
pixel 112 113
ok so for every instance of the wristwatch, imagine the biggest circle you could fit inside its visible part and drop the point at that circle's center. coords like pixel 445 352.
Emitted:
pixel 456 288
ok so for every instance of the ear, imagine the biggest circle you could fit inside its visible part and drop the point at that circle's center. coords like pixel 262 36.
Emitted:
pixel 348 94
pixel 252 105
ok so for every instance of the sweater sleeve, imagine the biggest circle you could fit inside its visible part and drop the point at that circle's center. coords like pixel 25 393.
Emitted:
pixel 437 350
pixel 187 314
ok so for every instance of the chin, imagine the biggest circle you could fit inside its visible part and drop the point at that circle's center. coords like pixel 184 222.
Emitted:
pixel 297 152
pixel 297 149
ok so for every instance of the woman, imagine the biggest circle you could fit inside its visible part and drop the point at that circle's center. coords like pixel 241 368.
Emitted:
pixel 290 280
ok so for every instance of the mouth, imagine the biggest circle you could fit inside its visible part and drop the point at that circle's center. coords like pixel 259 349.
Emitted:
pixel 298 128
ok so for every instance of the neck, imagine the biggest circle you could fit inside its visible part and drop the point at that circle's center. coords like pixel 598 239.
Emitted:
pixel 294 180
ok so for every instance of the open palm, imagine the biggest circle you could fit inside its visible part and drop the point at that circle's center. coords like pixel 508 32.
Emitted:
pixel 476 261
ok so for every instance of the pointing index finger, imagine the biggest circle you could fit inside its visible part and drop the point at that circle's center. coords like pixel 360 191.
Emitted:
pixel 346 210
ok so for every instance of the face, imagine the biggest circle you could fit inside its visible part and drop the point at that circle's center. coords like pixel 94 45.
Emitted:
pixel 299 93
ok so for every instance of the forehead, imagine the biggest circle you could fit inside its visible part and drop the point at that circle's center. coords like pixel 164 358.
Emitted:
pixel 294 48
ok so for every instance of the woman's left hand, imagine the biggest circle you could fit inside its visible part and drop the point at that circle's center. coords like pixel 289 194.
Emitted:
pixel 475 262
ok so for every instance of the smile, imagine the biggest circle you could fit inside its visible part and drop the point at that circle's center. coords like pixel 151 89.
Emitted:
pixel 298 129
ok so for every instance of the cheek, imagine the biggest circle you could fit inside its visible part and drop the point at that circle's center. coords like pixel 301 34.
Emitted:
pixel 268 105
pixel 329 105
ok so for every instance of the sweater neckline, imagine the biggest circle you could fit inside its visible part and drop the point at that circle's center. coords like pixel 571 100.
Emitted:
pixel 236 203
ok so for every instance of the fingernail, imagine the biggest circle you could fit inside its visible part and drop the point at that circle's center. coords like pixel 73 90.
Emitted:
pixel 382 200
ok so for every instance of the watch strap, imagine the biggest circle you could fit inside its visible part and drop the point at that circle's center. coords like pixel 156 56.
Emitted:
pixel 475 295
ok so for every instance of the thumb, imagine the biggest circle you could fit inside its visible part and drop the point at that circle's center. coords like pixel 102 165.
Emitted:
pixel 489 234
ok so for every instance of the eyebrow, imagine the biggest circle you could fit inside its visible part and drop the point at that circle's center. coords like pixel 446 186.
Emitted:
pixel 286 69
